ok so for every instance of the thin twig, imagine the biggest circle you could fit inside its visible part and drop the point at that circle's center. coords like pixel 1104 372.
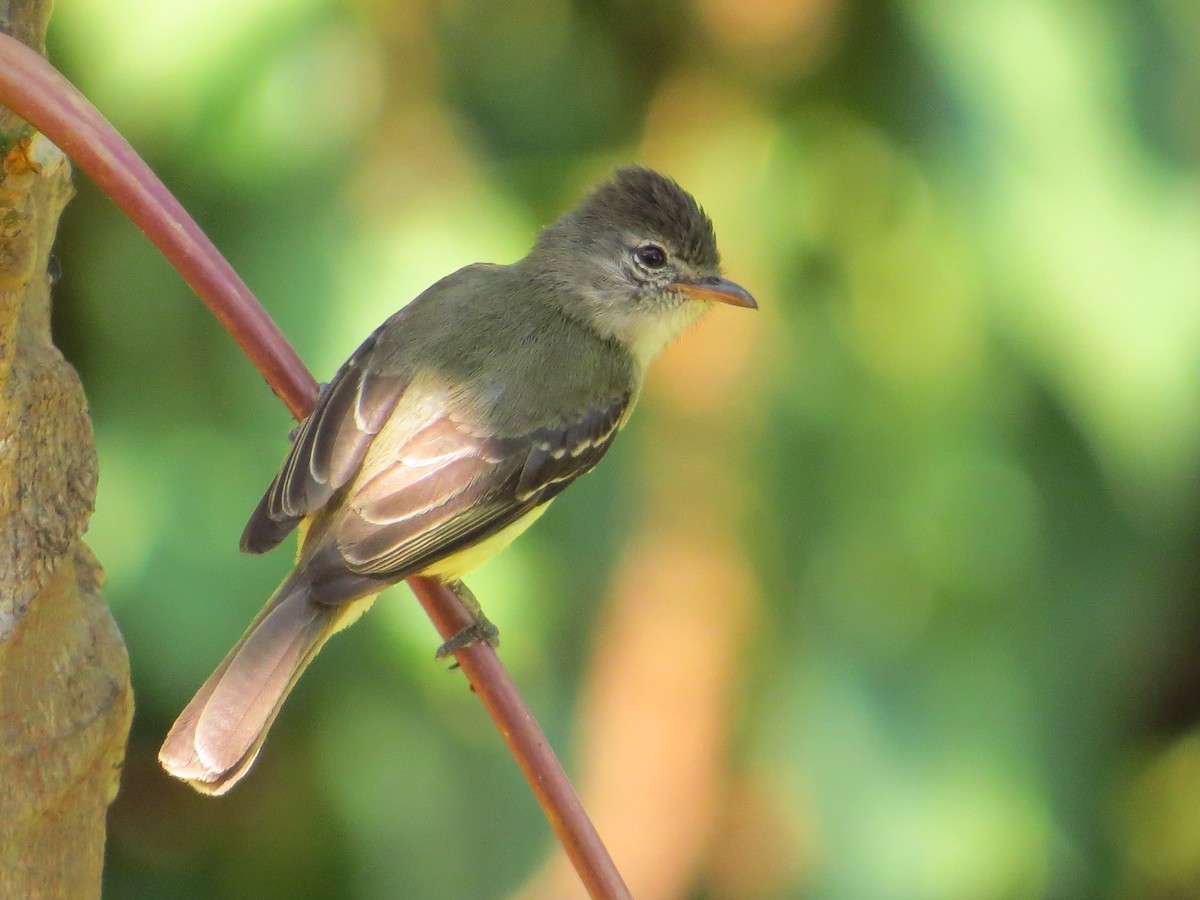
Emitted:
pixel 529 747
pixel 38 93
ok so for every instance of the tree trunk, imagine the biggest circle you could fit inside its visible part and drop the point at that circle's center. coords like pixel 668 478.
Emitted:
pixel 65 699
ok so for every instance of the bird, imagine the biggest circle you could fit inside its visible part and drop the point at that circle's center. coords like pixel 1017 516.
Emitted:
pixel 449 431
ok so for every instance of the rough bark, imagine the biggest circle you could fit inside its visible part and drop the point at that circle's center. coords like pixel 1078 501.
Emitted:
pixel 65 699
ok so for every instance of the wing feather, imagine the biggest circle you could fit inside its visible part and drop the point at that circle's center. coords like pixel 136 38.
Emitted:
pixel 328 448
pixel 452 485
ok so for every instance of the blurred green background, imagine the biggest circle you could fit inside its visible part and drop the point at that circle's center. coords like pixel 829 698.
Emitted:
pixel 890 591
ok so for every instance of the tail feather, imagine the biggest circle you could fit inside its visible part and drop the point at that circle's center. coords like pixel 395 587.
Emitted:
pixel 219 734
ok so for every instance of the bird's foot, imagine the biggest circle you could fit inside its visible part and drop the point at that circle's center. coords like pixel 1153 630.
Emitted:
pixel 477 632
pixel 481 629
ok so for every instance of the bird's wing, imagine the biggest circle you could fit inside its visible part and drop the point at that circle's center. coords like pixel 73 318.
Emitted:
pixel 452 485
pixel 328 448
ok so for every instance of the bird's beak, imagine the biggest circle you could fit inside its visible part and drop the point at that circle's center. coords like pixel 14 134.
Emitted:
pixel 716 290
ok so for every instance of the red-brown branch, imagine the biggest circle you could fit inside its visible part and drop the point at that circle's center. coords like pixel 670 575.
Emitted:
pixel 528 744
pixel 38 93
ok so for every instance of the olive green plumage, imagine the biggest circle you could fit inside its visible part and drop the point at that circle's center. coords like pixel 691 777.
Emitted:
pixel 449 430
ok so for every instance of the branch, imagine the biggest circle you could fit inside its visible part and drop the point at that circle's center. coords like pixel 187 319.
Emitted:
pixel 39 93
pixel 527 743
pixel 44 98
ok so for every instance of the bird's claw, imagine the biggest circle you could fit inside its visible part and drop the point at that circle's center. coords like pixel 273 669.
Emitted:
pixel 479 631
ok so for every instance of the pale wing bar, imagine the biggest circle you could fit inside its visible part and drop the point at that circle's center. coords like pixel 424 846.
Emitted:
pixel 454 485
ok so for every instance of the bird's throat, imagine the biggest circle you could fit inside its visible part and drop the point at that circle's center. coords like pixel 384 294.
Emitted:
pixel 646 337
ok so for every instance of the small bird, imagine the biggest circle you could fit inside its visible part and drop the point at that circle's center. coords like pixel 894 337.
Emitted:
pixel 449 431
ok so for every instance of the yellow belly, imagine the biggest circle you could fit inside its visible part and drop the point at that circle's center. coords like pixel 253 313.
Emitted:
pixel 459 564
pixel 454 566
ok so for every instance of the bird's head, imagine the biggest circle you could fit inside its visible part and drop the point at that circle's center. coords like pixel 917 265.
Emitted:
pixel 637 259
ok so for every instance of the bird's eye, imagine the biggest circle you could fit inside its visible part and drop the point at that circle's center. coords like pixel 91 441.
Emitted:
pixel 651 256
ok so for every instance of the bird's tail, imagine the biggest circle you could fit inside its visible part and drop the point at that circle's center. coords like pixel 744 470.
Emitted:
pixel 218 735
